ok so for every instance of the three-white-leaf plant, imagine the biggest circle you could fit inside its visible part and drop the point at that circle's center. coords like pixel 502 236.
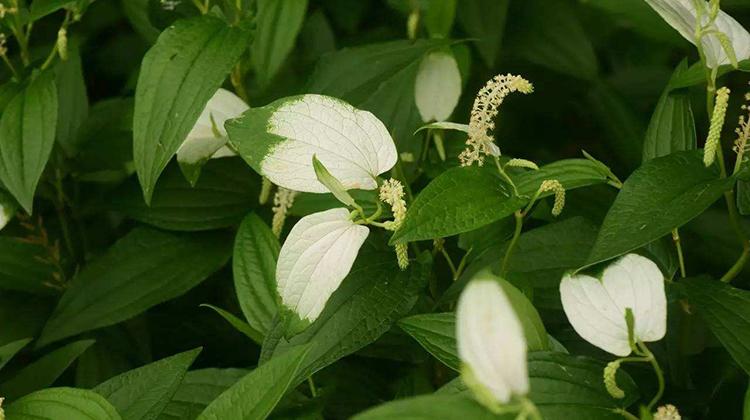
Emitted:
pixel 316 144
pixel 724 41
pixel 492 347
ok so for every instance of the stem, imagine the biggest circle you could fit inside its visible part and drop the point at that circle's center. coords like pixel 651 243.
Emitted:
pixel 659 375
pixel 265 191
pixel 238 81
pixel 201 7
pixel 516 234
pixel 678 245
pixel 505 175
pixel 462 264
pixel 627 415
pixel 10 65
pixel 448 259
pixel 313 389
pixel 738 266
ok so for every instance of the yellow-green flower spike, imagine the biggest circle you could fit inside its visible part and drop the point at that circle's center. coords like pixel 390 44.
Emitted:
pixel 717 123
pixel 556 187
pixel 282 202
pixel 522 163
pixel 392 193
pixel 610 380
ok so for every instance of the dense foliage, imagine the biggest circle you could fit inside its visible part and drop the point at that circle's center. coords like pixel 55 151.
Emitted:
pixel 378 209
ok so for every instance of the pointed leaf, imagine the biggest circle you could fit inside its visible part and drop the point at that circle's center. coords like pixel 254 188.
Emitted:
pixel 278 23
pixel 11 349
pixel 198 390
pixel 143 393
pixel 62 403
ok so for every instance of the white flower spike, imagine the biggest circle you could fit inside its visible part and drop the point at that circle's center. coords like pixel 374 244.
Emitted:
pixel 682 16
pixel 596 308
pixel 491 343
pixel 280 139
pixel 316 256
pixel 208 137
pixel 438 86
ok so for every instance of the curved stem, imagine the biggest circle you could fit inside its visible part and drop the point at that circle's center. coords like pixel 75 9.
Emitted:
pixel 659 375
pixel 516 234
pixel 678 244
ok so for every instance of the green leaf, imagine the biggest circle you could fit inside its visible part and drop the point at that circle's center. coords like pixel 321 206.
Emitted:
pixel 672 127
pixel 484 20
pixel 143 269
pixel 226 191
pixel 696 74
pixel 22 267
pixel 561 386
pixel 44 371
pixel 27 134
pixel 439 16
pixel 143 393
pixel 726 310
pixel 663 194
pixel 463 199
pixel 278 23
pixel 334 185
pixel 42 8
pixel 11 349
pixel 256 395
pixel 437 332
pixel 73 103
pixel 539 42
pixel 178 76
pixel 256 249
pixel 622 127
pixel 375 294
pixel 237 323
pixel 62 403
pixel 197 390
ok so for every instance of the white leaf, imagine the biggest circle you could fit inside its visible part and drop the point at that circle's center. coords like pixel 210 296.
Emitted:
pixel 596 308
pixel 491 341
pixel 315 258
pixel 681 15
pixel 202 142
pixel 280 139
pixel 8 208
pixel 438 86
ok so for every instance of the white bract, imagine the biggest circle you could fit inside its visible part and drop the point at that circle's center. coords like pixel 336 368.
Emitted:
pixel 596 308
pixel 208 137
pixel 682 16
pixel 491 342
pixel 315 258
pixel 280 139
pixel 8 208
pixel 438 86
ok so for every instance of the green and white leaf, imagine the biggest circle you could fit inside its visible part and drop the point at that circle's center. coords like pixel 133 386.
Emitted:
pixel 280 139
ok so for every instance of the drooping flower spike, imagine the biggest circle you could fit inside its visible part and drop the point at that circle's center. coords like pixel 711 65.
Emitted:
pixel 480 142
pixel 491 343
pixel 596 308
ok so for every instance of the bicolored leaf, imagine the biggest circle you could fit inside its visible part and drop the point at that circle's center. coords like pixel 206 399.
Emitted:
pixel 280 139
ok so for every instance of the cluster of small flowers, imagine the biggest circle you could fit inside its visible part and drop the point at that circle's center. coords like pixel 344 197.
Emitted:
pixel 556 187
pixel 282 202
pixel 170 4
pixel 717 123
pixel 667 412
pixel 486 106
pixel 4 10
pixel 392 193
pixel 3 42
pixel 743 130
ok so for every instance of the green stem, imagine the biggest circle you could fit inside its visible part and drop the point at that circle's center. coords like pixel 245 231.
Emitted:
pixel 627 415
pixel 678 245
pixel 313 389
pixel 659 375
pixel 448 259
pixel 462 264
pixel 505 175
pixel 516 234
pixel 265 191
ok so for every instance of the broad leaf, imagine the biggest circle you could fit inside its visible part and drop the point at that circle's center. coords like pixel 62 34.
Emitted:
pixel 279 141
pixel 374 295
pixel 444 407
pixel 73 103
pixel 178 76
pixel 464 199
pixel 484 20
pixel 672 127
pixel 439 16
pixel 663 194
pixel 726 309
pixel 197 390
pixel 143 269
pixel 23 266
pixel 44 371
pixel 27 134
pixel 11 349
pixel 226 191
pixel 256 395
pixel 143 393
pixel 42 8
pixel 62 403
pixel 254 265
pixel 278 23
